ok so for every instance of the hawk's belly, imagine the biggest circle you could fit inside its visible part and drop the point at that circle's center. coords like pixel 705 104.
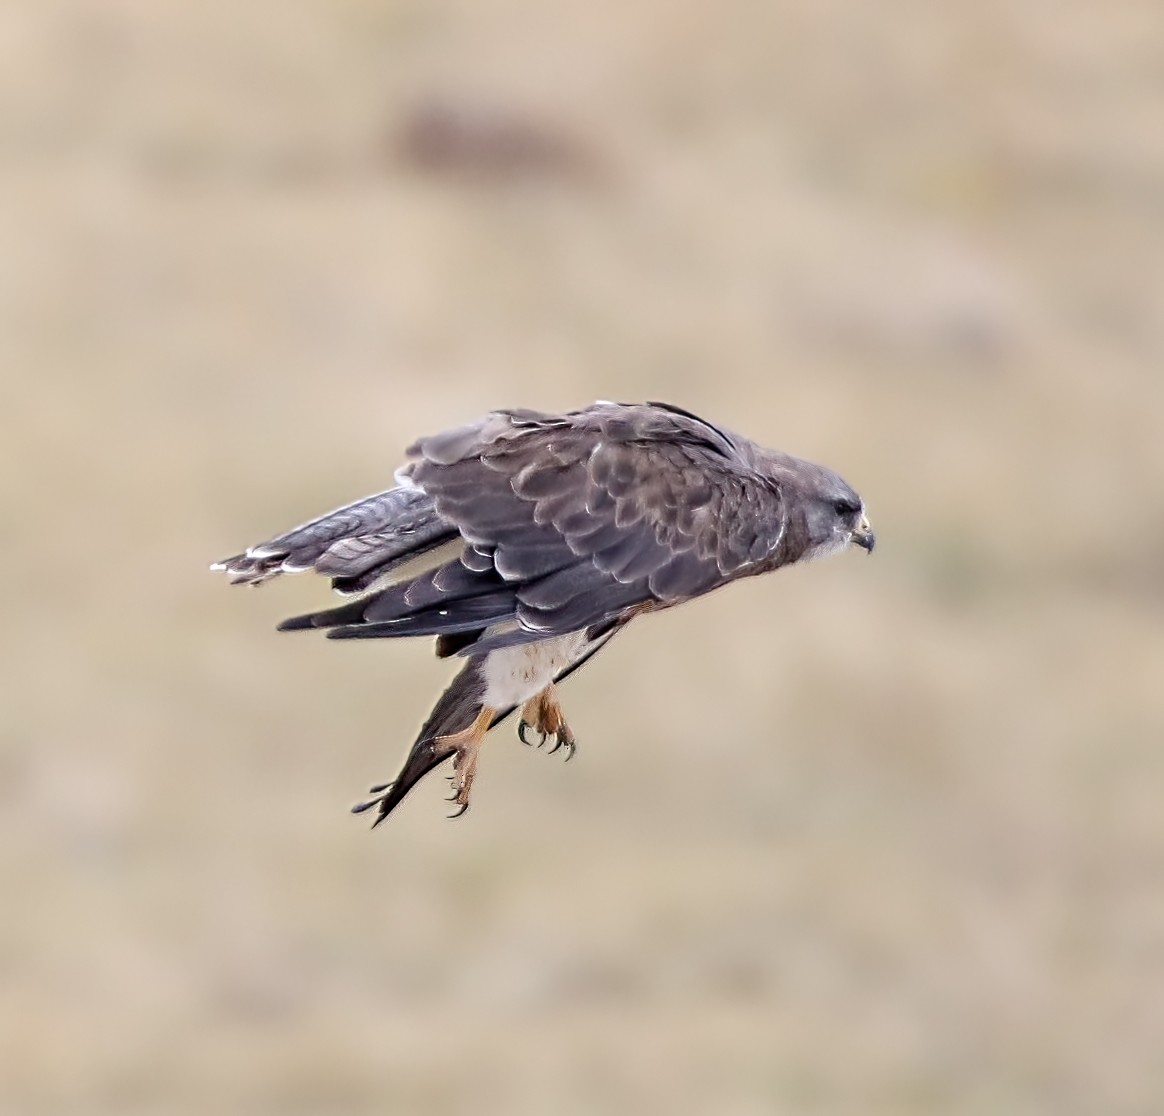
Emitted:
pixel 515 674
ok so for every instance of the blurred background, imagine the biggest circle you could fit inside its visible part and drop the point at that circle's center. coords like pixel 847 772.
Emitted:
pixel 875 836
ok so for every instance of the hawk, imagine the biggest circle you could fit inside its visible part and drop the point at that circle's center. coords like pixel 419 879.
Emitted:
pixel 524 542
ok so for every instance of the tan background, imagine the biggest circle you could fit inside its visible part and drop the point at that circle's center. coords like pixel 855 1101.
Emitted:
pixel 877 836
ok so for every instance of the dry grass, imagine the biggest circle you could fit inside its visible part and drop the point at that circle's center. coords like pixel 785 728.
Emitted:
pixel 873 837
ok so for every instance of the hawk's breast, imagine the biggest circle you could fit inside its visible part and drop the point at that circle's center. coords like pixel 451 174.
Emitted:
pixel 515 674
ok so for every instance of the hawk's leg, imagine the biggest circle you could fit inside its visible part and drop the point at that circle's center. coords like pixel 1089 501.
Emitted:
pixel 543 714
pixel 465 745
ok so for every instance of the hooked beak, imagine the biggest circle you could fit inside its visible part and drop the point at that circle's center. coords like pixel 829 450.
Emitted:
pixel 863 535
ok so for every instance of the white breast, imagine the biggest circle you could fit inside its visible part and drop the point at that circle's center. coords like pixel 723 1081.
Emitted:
pixel 514 674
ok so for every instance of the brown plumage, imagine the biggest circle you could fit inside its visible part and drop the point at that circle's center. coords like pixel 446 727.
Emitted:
pixel 524 541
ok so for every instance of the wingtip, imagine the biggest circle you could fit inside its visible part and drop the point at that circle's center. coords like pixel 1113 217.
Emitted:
pixel 349 631
pixel 296 623
pixel 380 794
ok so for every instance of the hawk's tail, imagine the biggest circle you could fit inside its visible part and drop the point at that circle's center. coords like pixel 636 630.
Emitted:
pixel 456 709
pixel 356 545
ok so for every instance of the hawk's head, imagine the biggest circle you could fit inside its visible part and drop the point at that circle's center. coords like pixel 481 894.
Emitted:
pixel 832 514
pixel 835 516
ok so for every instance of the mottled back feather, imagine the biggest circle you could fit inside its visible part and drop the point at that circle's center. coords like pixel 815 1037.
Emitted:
pixel 562 522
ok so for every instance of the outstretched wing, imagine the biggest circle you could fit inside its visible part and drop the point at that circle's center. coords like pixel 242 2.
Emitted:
pixel 573 520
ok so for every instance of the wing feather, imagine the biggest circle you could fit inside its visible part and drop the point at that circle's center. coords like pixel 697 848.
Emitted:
pixel 658 505
pixel 563 522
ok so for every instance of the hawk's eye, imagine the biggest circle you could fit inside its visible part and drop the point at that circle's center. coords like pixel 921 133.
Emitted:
pixel 845 506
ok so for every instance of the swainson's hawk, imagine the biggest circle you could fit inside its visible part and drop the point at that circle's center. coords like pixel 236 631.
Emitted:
pixel 524 541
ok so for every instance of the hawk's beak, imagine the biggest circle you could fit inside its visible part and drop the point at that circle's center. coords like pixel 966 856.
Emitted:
pixel 863 535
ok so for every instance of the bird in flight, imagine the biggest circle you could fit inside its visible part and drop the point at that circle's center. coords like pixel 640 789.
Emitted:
pixel 525 541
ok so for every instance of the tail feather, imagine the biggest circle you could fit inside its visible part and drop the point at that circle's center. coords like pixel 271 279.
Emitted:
pixel 356 544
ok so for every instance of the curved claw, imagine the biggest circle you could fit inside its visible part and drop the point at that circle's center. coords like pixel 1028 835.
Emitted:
pixel 522 726
pixel 381 788
pixel 360 807
pixel 463 807
pixel 566 742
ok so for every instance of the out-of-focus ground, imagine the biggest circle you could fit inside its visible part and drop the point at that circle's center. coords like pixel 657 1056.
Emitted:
pixel 876 836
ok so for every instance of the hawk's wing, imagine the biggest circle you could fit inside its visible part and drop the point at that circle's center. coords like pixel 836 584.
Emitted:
pixel 575 519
